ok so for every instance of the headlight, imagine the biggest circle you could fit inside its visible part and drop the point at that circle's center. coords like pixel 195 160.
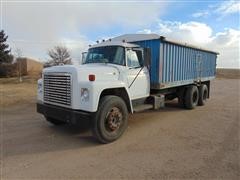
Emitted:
pixel 40 86
pixel 84 94
pixel 40 90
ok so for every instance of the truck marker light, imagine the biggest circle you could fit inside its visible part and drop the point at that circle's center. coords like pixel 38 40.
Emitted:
pixel 91 77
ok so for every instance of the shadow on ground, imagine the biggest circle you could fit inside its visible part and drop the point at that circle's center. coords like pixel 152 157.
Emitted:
pixel 36 135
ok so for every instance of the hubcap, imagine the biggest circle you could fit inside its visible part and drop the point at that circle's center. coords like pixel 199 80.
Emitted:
pixel 114 119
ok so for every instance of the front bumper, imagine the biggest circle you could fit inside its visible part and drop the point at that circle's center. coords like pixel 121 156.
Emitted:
pixel 62 114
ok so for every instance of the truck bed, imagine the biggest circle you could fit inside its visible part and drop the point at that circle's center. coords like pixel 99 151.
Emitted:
pixel 174 64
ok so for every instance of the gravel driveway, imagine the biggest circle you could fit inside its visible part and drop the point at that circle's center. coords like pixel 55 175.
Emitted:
pixel 170 143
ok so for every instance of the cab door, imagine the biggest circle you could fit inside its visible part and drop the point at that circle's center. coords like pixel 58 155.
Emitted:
pixel 137 75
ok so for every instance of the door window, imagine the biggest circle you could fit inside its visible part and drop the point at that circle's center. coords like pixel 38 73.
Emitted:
pixel 134 58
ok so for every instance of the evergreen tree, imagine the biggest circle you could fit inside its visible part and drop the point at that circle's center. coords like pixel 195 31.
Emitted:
pixel 5 56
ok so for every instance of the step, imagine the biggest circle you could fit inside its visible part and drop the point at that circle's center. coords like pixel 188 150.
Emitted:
pixel 142 107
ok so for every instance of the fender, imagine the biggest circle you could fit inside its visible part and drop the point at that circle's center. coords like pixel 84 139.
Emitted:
pixel 112 89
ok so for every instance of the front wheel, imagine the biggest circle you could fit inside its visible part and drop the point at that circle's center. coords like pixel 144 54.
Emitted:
pixel 111 119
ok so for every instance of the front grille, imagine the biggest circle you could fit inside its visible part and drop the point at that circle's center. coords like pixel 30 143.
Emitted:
pixel 57 88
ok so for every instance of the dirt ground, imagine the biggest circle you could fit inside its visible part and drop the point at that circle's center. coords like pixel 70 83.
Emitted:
pixel 170 143
pixel 228 73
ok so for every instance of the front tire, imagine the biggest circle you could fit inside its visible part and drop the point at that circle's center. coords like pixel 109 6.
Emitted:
pixel 111 119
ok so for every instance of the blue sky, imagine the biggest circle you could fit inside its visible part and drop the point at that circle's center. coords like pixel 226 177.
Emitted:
pixel 182 11
pixel 36 26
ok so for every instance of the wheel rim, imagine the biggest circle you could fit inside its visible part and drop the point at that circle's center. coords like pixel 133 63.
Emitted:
pixel 113 119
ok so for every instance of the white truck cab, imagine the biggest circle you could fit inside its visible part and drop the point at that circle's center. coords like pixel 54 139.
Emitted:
pixel 113 75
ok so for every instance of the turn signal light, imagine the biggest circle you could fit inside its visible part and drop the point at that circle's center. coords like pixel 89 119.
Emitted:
pixel 91 77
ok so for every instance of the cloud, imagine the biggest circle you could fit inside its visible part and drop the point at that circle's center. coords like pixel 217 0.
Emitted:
pixel 221 9
pixel 76 47
pixel 145 31
pixel 37 26
pixel 200 34
pixel 201 14
pixel 228 7
pixel 227 43
pixel 197 32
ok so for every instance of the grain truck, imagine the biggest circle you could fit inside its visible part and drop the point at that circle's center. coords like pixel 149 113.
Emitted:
pixel 122 75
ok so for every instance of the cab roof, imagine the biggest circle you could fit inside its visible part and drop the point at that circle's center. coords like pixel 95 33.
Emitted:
pixel 114 43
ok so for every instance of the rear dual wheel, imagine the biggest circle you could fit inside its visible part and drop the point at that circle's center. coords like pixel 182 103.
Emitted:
pixel 192 96
pixel 203 94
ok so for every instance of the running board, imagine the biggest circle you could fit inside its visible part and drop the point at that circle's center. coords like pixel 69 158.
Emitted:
pixel 142 107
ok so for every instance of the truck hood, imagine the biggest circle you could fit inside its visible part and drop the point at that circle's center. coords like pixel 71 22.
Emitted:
pixel 101 71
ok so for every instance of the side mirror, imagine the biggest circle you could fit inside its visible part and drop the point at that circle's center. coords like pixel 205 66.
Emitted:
pixel 147 57
pixel 84 56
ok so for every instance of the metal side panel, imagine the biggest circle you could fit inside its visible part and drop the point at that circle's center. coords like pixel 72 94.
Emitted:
pixel 175 64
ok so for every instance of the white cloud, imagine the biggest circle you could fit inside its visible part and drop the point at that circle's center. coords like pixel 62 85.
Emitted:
pixel 197 32
pixel 200 34
pixel 76 47
pixel 228 7
pixel 227 44
pixel 145 31
pixel 200 14
pixel 35 27
pixel 221 9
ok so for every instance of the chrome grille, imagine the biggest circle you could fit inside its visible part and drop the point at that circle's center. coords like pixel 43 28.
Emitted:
pixel 57 88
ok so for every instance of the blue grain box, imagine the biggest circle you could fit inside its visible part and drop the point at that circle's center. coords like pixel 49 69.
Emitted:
pixel 175 64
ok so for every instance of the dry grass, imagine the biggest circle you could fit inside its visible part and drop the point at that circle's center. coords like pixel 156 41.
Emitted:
pixel 12 92
pixel 228 73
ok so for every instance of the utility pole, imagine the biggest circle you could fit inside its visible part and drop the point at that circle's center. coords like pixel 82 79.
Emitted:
pixel 18 53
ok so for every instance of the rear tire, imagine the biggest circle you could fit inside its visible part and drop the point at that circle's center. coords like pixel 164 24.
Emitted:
pixel 54 121
pixel 203 94
pixel 111 119
pixel 191 97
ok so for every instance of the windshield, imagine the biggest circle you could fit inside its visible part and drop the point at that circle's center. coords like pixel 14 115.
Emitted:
pixel 106 54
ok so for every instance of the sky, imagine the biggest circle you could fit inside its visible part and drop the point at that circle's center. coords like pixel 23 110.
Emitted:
pixel 37 26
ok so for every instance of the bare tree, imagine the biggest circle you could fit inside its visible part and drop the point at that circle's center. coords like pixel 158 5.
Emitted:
pixel 59 55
